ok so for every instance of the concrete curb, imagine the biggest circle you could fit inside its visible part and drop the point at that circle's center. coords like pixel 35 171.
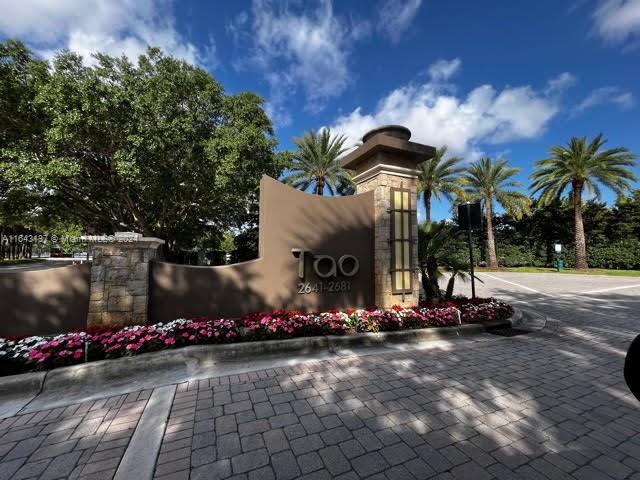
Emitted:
pixel 183 360
pixel 24 381
pixel 16 391
pixel 175 366
pixel 139 460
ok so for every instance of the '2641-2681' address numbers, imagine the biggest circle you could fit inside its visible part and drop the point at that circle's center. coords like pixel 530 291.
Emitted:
pixel 324 286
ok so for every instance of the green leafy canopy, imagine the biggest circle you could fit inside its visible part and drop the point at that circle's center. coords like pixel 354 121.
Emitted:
pixel 154 146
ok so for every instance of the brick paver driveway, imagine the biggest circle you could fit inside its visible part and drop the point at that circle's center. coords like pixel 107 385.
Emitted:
pixel 542 405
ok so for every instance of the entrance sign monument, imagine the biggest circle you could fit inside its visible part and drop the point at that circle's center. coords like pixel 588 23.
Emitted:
pixel 314 253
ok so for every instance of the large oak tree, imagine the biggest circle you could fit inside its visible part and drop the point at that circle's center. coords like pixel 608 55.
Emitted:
pixel 154 146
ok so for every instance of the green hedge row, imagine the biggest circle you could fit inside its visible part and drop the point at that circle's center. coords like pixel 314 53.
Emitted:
pixel 620 255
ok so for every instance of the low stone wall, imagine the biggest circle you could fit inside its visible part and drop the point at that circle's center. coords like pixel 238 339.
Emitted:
pixel 42 302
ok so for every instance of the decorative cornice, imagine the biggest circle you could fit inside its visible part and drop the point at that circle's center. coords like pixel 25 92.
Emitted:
pixel 385 168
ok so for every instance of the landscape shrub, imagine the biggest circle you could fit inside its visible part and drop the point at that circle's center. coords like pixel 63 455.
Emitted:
pixel 621 255
pixel 484 312
pixel 40 353
pixel 148 338
pixel 515 255
pixel 618 255
pixel 288 324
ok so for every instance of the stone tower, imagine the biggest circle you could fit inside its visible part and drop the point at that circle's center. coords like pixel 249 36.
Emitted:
pixel 387 163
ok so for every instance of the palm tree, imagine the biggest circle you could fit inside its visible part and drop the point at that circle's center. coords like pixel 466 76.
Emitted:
pixel 457 269
pixel 578 165
pixel 433 238
pixel 434 251
pixel 439 177
pixel 316 163
pixel 487 180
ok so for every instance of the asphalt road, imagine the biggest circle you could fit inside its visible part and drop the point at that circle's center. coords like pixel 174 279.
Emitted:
pixel 42 265
pixel 577 300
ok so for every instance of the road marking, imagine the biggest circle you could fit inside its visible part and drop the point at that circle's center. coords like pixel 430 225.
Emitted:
pixel 602 290
pixel 139 460
pixel 517 285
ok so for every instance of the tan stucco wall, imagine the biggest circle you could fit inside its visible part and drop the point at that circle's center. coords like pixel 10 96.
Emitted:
pixel 42 302
pixel 289 219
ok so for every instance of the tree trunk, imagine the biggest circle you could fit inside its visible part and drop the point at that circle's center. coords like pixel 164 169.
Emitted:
pixel 427 206
pixel 581 244
pixel 432 274
pixel 137 216
pixel 491 243
pixel 426 286
pixel 320 186
pixel 450 286
pixel 549 250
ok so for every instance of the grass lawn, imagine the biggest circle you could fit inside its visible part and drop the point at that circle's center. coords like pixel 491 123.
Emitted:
pixel 591 271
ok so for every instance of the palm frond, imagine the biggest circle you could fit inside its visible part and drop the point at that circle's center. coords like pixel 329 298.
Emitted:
pixel 317 161
pixel 583 163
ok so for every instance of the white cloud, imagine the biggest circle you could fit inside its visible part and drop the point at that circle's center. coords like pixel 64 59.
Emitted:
pixel 438 117
pixel 395 17
pixel 442 70
pixel 114 27
pixel 617 21
pixel 297 48
pixel 558 85
pixel 610 95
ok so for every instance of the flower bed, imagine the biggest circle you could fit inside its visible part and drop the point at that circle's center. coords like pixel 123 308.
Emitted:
pixel 39 353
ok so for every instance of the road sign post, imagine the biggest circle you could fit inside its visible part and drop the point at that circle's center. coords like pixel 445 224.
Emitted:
pixel 469 216
pixel 473 277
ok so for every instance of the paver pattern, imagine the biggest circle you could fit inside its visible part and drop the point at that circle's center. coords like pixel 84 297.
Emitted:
pixel 85 441
pixel 546 405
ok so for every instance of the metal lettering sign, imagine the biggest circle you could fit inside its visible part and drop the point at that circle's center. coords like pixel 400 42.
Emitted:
pixel 325 267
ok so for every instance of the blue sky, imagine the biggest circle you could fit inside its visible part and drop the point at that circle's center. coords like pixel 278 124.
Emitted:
pixel 501 78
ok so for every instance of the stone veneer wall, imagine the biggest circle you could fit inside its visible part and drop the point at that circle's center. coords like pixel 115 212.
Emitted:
pixel 120 282
pixel 382 183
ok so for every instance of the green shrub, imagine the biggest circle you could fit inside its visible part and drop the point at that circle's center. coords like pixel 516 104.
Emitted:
pixel 515 256
pixel 621 255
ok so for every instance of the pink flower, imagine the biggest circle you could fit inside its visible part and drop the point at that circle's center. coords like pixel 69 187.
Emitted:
pixel 169 341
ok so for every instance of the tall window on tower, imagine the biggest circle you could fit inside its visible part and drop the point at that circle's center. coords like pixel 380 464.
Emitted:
pixel 401 278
